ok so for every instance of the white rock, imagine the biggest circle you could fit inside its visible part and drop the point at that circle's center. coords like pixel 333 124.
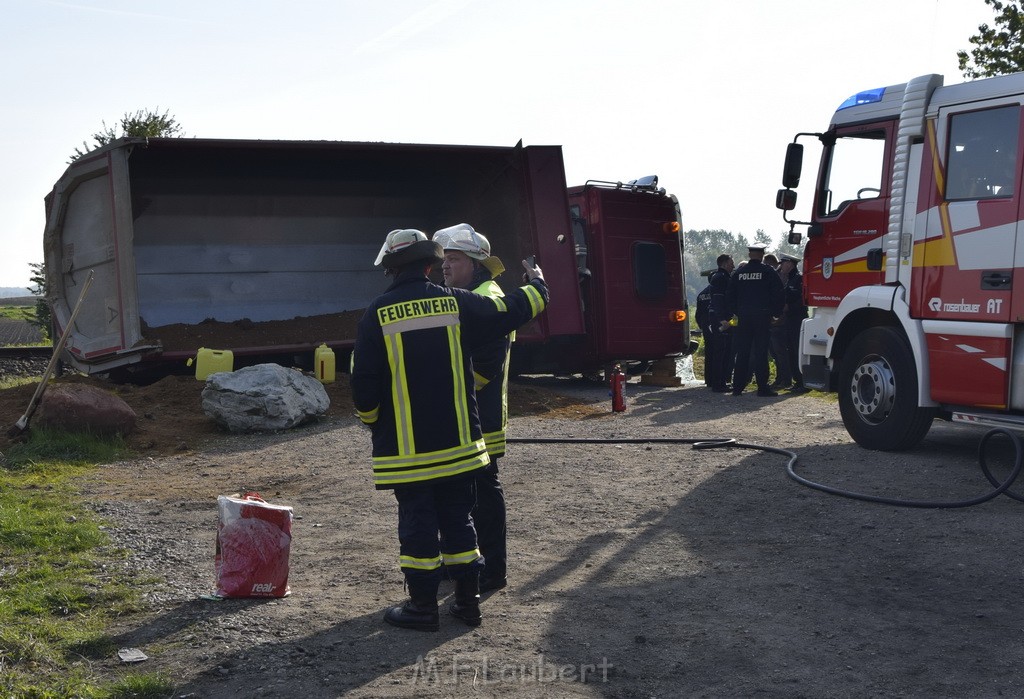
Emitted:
pixel 263 397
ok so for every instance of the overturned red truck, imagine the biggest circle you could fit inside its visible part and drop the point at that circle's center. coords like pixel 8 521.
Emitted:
pixel 265 248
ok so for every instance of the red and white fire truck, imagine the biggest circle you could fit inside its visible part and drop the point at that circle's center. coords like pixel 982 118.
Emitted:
pixel 914 239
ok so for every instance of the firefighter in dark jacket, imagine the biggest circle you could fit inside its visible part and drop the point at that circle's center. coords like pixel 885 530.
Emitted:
pixel 795 312
pixel 719 315
pixel 755 295
pixel 703 318
pixel 468 264
pixel 412 383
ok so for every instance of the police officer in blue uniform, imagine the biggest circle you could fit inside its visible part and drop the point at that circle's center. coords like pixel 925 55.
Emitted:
pixel 721 333
pixel 755 296
pixel 412 383
pixel 794 314
pixel 703 318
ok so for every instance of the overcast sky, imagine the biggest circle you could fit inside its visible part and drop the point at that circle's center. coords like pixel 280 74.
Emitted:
pixel 704 94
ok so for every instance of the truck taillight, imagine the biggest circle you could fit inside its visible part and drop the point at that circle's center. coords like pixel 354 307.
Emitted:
pixel 677 316
pixel 670 227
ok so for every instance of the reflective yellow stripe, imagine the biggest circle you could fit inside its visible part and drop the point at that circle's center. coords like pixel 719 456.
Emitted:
pixel 504 384
pixel 495 443
pixel 499 303
pixel 479 381
pixel 368 416
pixel 453 559
pixel 429 471
pixel 420 563
pixel 461 404
pixel 400 394
pixel 536 300
pixel 496 440
pixel 415 309
pixel 397 461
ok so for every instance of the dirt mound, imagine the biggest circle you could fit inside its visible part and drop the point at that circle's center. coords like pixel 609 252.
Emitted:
pixel 171 419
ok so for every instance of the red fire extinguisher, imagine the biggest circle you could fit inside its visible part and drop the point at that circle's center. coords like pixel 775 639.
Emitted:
pixel 618 384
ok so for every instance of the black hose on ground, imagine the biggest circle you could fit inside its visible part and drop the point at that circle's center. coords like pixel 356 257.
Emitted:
pixel 719 443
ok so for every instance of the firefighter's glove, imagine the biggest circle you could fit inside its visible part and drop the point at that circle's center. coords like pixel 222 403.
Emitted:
pixel 532 271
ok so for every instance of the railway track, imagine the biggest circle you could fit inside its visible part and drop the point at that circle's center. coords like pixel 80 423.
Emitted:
pixel 24 362
pixel 26 352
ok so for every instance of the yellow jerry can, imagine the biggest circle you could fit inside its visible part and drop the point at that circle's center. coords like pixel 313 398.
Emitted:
pixel 210 361
pixel 323 361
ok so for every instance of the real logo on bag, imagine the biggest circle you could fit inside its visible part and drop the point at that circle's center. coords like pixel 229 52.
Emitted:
pixel 264 588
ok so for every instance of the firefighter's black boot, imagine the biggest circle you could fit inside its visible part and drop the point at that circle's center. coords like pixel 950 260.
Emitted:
pixel 420 611
pixel 466 606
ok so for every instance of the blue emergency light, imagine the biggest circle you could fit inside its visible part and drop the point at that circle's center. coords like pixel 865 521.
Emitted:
pixel 866 97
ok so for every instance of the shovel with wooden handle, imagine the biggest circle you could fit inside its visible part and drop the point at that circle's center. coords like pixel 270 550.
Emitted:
pixel 22 422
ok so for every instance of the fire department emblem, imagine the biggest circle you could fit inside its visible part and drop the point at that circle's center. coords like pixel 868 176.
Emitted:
pixel 826 267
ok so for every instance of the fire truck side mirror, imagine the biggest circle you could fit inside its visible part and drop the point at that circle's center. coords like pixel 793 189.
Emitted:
pixel 785 200
pixel 794 238
pixel 794 165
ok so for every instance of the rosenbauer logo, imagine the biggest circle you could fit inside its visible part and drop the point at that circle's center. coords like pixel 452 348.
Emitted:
pixel 962 306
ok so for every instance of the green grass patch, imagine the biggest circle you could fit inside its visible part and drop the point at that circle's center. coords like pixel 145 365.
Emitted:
pixel 18 312
pixel 11 382
pixel 59 587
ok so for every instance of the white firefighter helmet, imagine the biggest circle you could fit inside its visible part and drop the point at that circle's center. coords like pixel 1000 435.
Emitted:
pixel 463 238
pixel 405 245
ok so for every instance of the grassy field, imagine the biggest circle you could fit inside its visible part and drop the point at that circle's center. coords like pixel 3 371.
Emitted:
pixel 56 592
pixel 18 312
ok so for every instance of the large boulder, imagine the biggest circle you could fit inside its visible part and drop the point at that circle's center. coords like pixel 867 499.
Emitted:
pixel 81 408
pixel 263 397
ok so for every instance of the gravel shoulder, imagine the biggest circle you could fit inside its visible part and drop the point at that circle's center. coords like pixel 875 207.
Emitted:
pixel 636 570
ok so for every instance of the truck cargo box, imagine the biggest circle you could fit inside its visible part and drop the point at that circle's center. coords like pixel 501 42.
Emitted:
pixel 265 247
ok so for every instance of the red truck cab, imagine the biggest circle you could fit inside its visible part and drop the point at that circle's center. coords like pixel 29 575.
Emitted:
pixel 627 242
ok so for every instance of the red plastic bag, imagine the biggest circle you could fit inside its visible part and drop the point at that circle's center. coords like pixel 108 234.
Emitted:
pixel 253 542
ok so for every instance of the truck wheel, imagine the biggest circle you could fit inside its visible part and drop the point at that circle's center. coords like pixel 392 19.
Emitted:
pixel 878 392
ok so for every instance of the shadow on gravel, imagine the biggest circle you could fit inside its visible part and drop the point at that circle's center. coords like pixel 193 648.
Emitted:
pixel 753 584
pixel 726 579
pixel 327 664
pixel 182 617
pixel 749 584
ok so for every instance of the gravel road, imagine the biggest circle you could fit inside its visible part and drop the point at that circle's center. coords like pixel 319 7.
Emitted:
pixel 637 570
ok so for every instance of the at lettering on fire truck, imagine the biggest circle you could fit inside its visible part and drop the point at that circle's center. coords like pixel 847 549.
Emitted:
pixel 915 235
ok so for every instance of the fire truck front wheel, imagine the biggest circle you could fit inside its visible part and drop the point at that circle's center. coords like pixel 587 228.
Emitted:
pixel 878 392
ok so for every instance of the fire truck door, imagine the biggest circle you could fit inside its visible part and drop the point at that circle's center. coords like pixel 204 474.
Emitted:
pixel 852 206
pixel 966 261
